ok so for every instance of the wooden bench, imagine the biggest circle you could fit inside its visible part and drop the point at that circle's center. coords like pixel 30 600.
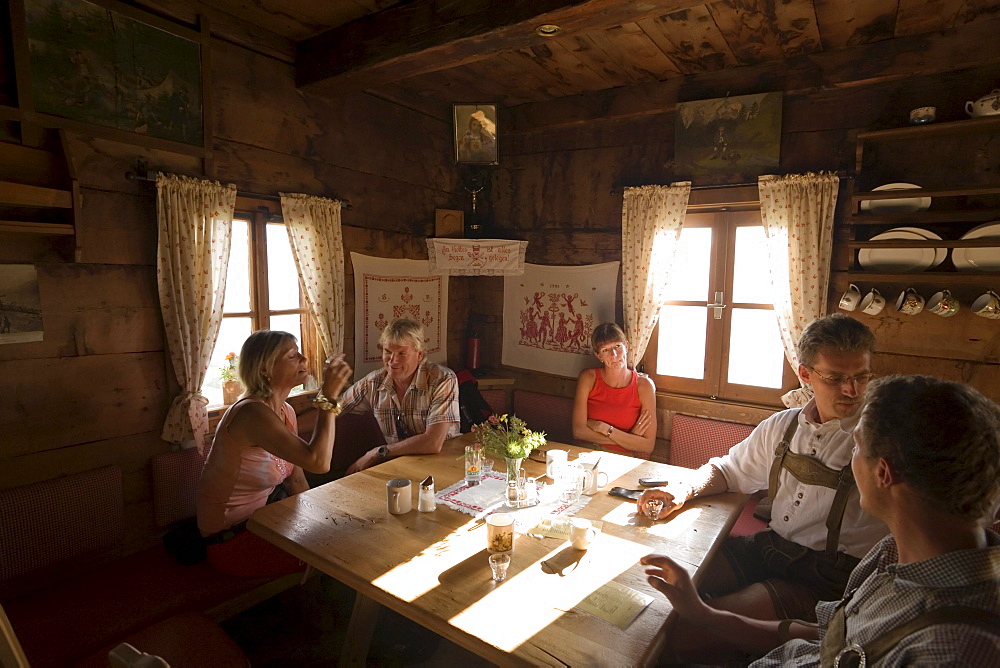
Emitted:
pixel 65 584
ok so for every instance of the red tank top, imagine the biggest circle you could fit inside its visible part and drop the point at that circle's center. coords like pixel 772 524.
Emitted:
pixel 618 406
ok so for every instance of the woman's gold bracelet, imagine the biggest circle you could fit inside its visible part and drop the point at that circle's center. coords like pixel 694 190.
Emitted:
pixel 324 404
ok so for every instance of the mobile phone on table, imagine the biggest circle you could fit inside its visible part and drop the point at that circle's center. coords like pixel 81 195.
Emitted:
pixel 621 492
pixel 653 482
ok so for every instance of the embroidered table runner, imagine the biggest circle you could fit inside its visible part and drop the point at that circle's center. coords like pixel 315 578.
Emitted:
pixel 490 496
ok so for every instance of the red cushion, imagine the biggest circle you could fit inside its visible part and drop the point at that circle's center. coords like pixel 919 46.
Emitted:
pixel 99 608
pixel 695 440
pixel 59 520
pixel 546 412
pixel 746 523
pixel 497 399
pixel 175 485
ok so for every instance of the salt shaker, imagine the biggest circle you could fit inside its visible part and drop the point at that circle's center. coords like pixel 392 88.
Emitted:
pixel 426 502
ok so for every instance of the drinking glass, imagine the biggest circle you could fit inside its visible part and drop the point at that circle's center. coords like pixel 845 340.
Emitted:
pixel 473 465
pixel 499 564
pixel 653 509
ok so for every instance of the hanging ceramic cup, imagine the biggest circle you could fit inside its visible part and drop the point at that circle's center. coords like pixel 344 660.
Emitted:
pixel 987 305
pixel 909 302
pixel 943 304
pixel 873 302
pixel 850 299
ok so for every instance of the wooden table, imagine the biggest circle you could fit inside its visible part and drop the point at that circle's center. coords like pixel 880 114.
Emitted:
pixel 432 567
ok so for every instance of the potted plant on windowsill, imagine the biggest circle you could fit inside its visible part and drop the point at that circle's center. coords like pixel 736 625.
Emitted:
pixel 231 386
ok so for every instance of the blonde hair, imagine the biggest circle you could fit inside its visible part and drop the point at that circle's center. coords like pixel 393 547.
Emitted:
pixel 403 331
pixel 257 357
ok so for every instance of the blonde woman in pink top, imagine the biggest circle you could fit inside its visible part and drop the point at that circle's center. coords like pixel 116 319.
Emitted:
pixel 257 449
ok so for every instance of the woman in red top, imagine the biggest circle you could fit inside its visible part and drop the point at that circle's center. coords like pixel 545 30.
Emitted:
pixel 615 406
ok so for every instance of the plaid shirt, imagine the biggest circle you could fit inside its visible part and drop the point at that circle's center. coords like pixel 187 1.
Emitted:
pixel 889 594
pixel 432 397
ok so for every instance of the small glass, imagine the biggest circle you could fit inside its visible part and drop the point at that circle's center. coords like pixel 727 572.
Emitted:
pixel 487 466
pixel 653 509
pixel 473 465
pixel 499 564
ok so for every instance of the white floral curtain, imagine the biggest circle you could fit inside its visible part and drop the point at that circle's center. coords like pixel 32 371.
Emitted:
pixel 195 220
pixel 797 211
pixel 652 218
pixel 317 242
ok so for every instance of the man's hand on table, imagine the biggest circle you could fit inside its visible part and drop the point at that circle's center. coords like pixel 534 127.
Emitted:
pixel 670 579
pixel 673 497
pixel 365 461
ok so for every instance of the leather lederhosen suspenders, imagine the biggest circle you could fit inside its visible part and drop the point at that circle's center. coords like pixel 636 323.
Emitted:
pixel 835 652
pixel 810 472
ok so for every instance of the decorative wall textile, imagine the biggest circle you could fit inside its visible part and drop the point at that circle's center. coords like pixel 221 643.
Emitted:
pixel 476 257
pixel 797 211
pixel 652 218
pixel 195 220
pixel 385 289
pixel 549 313
pixel 317 242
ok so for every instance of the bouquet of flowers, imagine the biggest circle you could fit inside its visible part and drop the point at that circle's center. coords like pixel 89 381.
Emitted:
pixel 507 436
pixel 228 371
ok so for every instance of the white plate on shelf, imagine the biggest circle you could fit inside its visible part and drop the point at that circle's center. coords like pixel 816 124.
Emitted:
pixel 892 260
pixel 939 253
pixel 979 259
pixel 908 205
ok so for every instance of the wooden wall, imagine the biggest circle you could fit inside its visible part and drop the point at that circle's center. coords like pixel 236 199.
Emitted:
pixel 96 390
pixel 595 144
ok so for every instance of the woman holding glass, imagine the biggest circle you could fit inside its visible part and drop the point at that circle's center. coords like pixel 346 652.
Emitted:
pixel 615 406
pixel 257 455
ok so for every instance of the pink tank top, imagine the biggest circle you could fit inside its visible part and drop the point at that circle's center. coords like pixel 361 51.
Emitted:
pixel 618 406
pixel 237 479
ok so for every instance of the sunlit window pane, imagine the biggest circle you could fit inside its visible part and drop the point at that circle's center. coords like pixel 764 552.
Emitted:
pixel 232 333
pixel 756 356
pixel 283 279
pixel 238 271
pixel 690 272
pixel 751 274
pixel 681 343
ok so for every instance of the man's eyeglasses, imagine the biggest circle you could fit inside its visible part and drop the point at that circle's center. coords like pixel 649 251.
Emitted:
pixel 840 379
pixel 401 431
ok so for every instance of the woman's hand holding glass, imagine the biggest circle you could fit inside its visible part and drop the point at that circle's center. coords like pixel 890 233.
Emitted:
pixel 336 373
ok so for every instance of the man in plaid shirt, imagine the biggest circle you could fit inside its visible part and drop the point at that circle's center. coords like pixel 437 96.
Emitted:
pixel 927 463
pixel 414 400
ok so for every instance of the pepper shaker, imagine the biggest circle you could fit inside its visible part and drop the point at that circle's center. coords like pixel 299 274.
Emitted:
pixel 426 502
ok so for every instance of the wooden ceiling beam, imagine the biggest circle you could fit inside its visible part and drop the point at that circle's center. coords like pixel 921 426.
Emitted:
pixel 428 35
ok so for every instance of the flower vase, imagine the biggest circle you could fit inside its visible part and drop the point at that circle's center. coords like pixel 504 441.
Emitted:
pixel 513 466
pixel 231 391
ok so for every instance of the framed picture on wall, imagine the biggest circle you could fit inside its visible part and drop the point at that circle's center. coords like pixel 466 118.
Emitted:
pixel 476 133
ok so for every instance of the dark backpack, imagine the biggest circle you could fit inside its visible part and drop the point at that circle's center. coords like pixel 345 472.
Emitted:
pixel 472 407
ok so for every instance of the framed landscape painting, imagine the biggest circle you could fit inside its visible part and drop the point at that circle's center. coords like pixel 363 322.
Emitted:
pixel 728 139
pixel 98 66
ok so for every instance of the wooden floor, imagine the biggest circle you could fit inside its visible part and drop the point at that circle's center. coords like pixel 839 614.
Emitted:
pixel 305 626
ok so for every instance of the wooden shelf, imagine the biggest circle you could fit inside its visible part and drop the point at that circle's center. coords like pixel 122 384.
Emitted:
pixel 936 277
pixel 972 125
pixel 985 242
pixel 926 217
pixel 18 227
pixel 18 194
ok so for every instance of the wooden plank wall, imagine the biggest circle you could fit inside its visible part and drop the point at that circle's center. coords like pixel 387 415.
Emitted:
pixel 96 390
pixel 557 151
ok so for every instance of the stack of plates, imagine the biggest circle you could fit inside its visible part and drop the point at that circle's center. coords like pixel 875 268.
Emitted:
pixel 979 259
pixel 906 259
pixel 909 205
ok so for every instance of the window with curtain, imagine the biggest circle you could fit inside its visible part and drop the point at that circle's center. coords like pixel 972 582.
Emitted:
pixel 731 351
pixel 262 290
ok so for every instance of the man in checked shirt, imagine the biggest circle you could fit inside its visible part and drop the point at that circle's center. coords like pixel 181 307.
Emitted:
pixel 415 401
pixel 927 462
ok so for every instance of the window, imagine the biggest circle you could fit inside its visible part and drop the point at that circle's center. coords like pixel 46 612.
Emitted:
pixel 262 289
pixel 733 350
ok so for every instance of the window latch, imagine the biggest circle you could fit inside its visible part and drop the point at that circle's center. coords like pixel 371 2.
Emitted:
pixel 718 306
